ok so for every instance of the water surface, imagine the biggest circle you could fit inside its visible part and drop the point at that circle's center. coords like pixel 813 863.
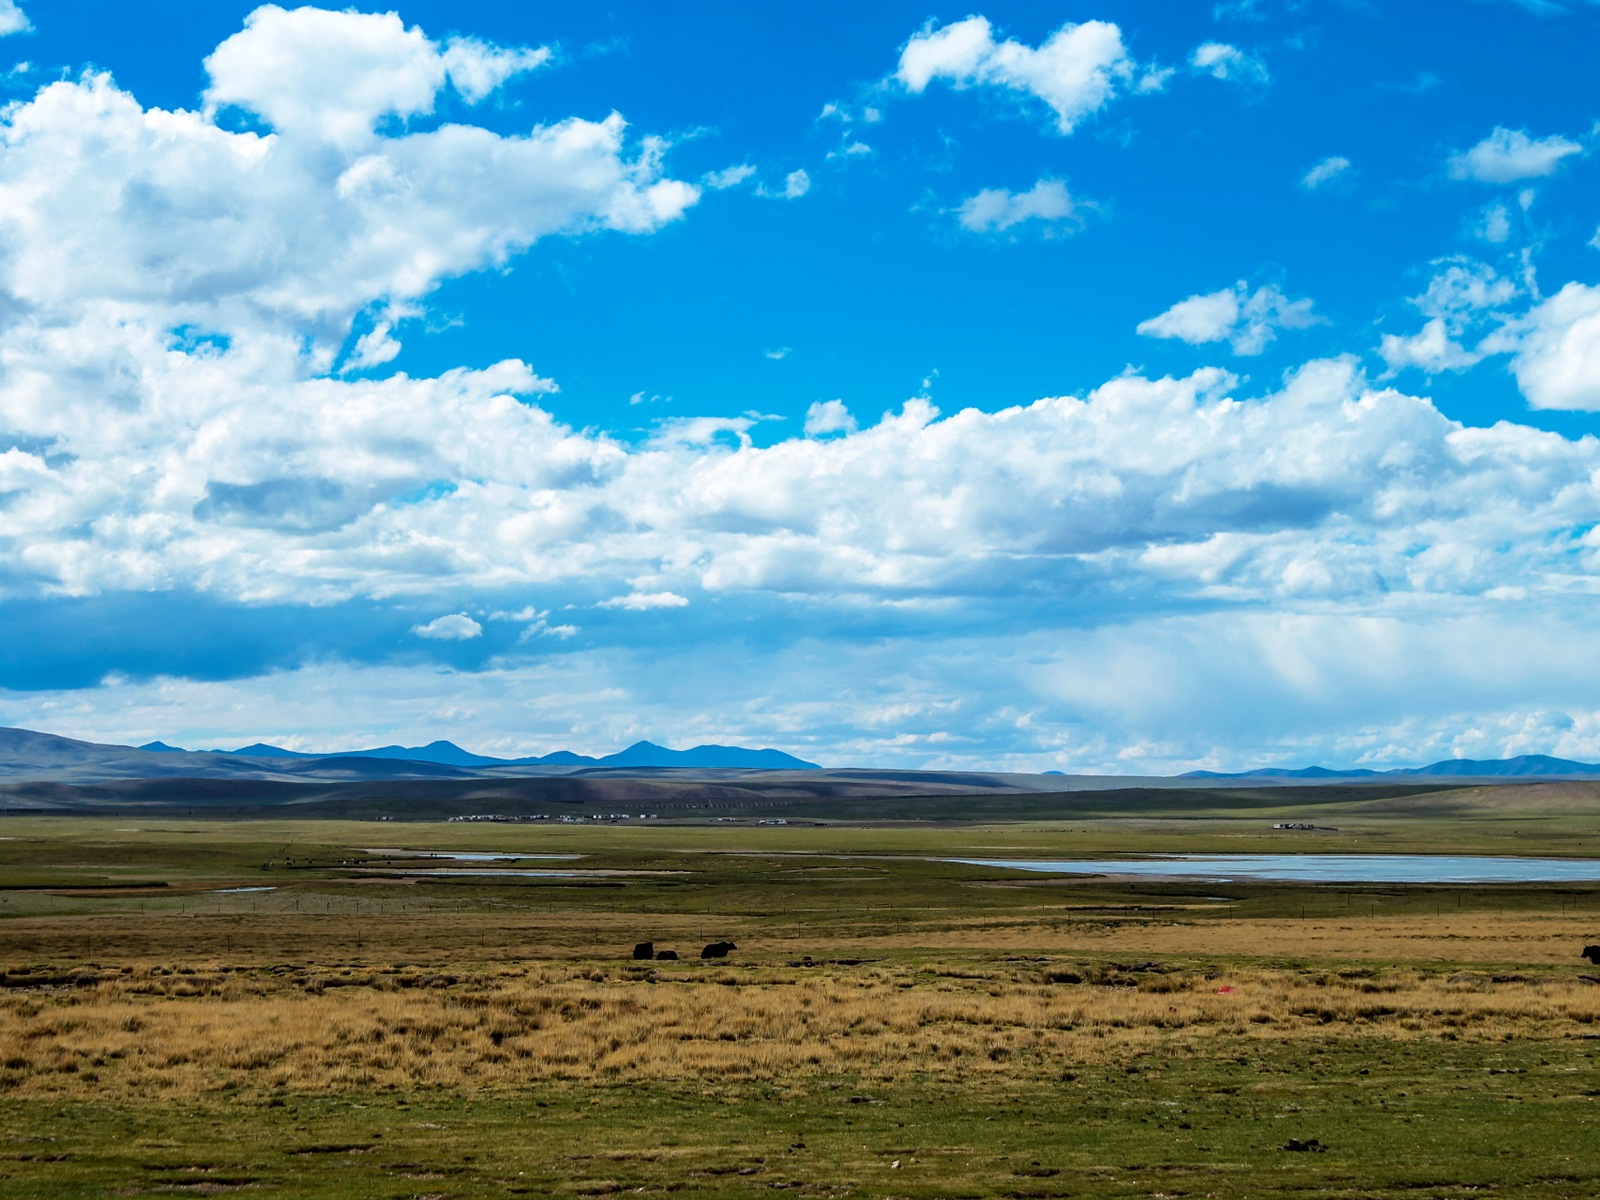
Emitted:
pixel 468 855
pixel 495 872
pixel 1319 868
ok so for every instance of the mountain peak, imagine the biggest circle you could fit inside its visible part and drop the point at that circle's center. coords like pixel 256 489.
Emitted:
pixel 263 750
pixel 649 754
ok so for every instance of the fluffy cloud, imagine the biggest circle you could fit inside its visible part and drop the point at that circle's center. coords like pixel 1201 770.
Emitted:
pixel 178 295
pixel 1462 297
pixel 478 69
pixel 1554 344
pixel 1464 288
pixel 992 209
pixel 1326 172
pixel 1222 61
pixel 1389 543
pixel 644 601
pixel 13 19
pixel 1076 71
pixel 201 474
pixel 1557 362
pixel 168 429
pixel 333 76
pixel 1432 349
pixel 1507 155
pixel 138 221
pixel 1248 321
pixel 829 416
pixel 457 627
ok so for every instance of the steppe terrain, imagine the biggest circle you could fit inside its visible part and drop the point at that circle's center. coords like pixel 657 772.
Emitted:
pixel 198 1005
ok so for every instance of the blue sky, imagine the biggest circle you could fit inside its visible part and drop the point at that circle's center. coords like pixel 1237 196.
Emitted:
pixel 1113 387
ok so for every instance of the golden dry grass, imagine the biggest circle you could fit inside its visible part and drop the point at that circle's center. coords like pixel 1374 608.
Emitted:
pixel 157 1032
pixel 1474 938
pixel 1518 937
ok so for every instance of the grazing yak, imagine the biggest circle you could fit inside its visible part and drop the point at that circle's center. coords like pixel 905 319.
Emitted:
pixel 644 950
pixel 1592 953
pixel 717 950
pixel 666 956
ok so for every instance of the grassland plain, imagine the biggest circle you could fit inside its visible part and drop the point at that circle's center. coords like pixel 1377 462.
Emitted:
pixel 889 1025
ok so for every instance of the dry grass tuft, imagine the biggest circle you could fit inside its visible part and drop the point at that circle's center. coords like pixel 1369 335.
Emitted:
pixel 185 1031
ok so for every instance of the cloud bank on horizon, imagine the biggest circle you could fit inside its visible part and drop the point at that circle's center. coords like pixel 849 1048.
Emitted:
pixel 383 376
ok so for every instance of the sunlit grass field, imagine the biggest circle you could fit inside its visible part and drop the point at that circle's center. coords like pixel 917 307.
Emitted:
pixel 888 1026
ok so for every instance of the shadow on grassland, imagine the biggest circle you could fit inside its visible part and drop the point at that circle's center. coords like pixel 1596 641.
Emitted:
pixel 671 797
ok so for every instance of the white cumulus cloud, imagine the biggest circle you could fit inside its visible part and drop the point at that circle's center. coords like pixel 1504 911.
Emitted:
pixel 643 601
pixel 325 75
pixel 1348 562
pixel 1432 349
pixel 1507 155
pixel 992 209
pixel 477 69
pixel 1222 61
pixel 1076 71
pixel 1248 320
pixel 1473 314
pixel 456 627
pixel 1557 360
pixel 1463 297
pixel 177 221
pixel 13 19
pixel 1464 288
pixel 829 416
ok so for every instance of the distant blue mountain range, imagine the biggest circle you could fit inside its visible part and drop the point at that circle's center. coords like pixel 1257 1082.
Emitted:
pixel 1524 766
pixel 649 754
pixel 640 754
pixel 29 754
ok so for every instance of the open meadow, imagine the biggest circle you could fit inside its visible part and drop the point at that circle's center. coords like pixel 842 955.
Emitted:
pixel 288 1007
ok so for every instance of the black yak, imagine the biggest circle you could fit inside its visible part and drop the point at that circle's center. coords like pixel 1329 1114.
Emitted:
pixel 717 950
pixel 644 950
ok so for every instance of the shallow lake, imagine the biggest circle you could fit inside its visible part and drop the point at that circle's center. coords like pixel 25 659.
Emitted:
pixel 1319 868
pixel 468 855
pixel 492 872
pixel 496 872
